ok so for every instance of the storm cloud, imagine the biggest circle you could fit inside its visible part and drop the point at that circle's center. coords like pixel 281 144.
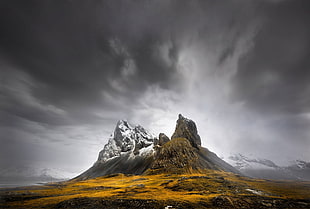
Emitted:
pixel 71 69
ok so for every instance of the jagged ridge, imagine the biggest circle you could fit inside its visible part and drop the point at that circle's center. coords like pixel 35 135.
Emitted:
pixel 129 150
pixel 126 138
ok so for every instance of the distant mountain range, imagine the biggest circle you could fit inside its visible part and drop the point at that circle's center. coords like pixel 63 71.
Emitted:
pixel 266 169
pixel 34 174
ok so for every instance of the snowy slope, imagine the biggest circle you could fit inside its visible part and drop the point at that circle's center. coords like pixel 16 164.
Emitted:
pixel 266 169
pixel 242 162
pixel 127 139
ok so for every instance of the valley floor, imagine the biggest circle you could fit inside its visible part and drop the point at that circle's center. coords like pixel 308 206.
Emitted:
pixel 208 190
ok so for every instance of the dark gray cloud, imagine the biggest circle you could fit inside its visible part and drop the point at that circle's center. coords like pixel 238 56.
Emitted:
pixel 71 69
pixel 76 51
pixel 274 75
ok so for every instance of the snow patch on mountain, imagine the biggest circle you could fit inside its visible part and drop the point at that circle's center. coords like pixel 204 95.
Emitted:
pixel 127 139
pixel 266 169
pixel 300 164
pixel 241 162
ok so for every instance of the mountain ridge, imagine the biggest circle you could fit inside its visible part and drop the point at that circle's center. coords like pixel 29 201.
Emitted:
pixel 133 150
pixel 267 169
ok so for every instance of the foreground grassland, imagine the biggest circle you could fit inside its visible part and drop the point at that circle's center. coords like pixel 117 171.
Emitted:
pixel 211 189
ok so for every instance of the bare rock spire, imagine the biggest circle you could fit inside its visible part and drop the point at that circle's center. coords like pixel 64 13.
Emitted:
pixel 186 128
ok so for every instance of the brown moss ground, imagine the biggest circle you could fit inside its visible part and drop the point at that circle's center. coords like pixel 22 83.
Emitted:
pixel 213 189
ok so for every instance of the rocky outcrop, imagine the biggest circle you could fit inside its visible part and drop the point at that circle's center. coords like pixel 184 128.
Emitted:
pixel 177 156
pixel 187 129
pixel 162 139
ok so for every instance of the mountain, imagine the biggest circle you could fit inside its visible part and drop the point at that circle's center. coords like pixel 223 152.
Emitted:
pixel 242 162
pixel 27 172
pixel 266 169
pixel 129 150
pixel 133 150
pixel 30 175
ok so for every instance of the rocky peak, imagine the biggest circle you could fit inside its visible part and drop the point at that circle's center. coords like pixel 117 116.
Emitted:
pixel 163 139
pixel 125 138
pixel 122 136
pixel 123 126
pixel 186 128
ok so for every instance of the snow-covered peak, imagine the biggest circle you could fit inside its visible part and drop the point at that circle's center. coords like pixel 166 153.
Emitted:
pixel 240 161
pixel 126 139
pixel 123 125
pixel 299 164
pixel 266 169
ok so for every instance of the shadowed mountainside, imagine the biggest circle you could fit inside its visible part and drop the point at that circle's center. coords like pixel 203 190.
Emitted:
pixel 178 156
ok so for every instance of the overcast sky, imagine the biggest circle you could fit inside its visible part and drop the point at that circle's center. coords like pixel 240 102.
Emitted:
pixel 71 69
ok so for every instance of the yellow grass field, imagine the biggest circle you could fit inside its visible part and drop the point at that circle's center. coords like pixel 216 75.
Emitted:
pixel 212 189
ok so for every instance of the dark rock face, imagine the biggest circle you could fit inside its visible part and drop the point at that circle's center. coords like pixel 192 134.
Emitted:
pixel 186 128
pixel 163 139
